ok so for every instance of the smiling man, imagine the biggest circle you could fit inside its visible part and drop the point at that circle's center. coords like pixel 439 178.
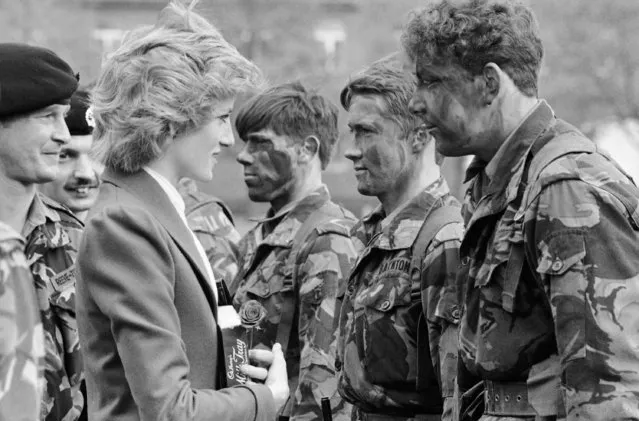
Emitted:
pixel 36 86
pixel 549 327
pixel 398 325
pixel 78 180
pixel 295 260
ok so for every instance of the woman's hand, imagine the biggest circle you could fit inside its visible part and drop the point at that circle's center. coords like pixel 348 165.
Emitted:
pixel 275 377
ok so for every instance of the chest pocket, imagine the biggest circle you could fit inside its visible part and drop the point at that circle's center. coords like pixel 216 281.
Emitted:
pixel 388 331
pixel 388 295
pixel 501 270
pixel 270 278
pixel 271 284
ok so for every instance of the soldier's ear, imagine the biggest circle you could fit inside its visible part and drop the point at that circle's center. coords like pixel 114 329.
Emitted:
pixel 420 138
pixel 310 148
pixel 491 78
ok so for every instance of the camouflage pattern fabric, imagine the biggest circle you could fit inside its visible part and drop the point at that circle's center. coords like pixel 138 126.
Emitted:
pixel 211 222
pixel 573 297
pixel 21 340
pixel 51 256
pixel 321 266
pixel 378 344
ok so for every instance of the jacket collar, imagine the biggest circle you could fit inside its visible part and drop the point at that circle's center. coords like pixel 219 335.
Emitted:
pixel 291 218
pixel 507 166
pixel 39 214
pixel 400 229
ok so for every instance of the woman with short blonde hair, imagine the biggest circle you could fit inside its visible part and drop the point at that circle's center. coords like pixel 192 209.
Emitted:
pixel 161 83
pixel 147 299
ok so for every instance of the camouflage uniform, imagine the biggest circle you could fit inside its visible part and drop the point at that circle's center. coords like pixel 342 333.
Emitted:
pixel 552 252
pixel 22 341
pixel 51 256
pixel 212 223
pixel 322 264
pixel 382 352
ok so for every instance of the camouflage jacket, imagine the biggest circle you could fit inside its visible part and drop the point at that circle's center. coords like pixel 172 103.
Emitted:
pixel 378 348
pixel 22 341
pixel 51 257
pixel 320 269
pixel 212 224
pixel 553 259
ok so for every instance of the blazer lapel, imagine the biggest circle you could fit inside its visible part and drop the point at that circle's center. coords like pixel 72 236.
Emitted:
pixel 144 187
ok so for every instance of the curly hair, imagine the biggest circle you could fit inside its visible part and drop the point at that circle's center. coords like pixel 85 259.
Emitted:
pixel 386 79
pixel 292 110
pixel 163 81
pixel 473 33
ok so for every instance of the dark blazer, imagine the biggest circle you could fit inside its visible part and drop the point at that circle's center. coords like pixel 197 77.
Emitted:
pixel 147 315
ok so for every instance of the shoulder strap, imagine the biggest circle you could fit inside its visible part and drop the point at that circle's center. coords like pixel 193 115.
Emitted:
pixel 290 309
pixel 436 219
pixel 549 152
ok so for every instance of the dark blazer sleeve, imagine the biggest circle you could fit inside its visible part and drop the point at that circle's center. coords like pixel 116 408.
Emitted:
pixel 129 274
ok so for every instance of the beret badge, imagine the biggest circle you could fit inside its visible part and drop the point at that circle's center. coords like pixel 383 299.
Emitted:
pixel 88 116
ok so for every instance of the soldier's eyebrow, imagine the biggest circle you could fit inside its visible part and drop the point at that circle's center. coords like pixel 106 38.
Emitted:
pixel 365 124
pixel 257 137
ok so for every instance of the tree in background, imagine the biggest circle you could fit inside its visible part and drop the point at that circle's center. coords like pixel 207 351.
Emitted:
pixel 592 58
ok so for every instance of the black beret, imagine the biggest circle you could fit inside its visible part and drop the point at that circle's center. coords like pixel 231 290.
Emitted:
pixel 80 118
pixel 32 78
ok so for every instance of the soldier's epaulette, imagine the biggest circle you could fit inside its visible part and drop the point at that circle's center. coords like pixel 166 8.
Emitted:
pixel 335 226
pixel 66 215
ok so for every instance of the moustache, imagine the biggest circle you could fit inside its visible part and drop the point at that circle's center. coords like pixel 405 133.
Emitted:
pixel 78 183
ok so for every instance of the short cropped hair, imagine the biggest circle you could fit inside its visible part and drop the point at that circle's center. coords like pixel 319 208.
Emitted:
pixel 163 81
pixel 386 79
pixel 294 111
pixel 473 33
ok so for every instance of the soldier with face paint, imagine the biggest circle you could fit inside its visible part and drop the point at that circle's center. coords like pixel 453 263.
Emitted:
pixel 398 324
pixel 295 259
pixel 549 327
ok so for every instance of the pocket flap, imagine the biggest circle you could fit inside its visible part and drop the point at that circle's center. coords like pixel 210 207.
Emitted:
pixel 259 289
pixel 386 296
pixel 561 251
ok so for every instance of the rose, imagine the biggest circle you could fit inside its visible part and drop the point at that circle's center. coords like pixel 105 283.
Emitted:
pixel 251 314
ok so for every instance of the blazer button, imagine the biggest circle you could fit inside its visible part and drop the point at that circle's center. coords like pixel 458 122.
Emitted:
pixel 385 305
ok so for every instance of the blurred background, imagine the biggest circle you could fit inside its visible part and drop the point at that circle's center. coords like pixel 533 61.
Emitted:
pixel 589 75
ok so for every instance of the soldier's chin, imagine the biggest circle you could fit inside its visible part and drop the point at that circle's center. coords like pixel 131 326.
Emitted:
pixel 451 147
pixel 365 190
pixel 258 196
pixel 446 149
